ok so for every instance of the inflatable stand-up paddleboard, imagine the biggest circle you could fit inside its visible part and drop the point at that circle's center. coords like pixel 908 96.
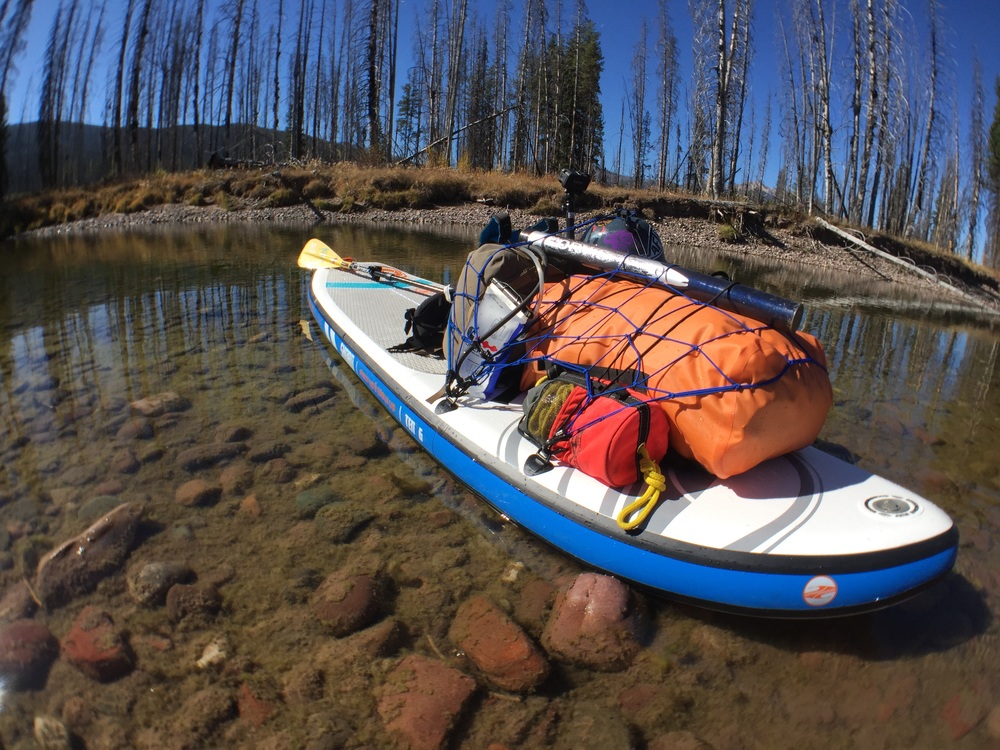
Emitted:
pixel 802 535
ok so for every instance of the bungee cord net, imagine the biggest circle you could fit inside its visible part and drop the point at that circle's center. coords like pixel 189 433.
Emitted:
pixel 735 391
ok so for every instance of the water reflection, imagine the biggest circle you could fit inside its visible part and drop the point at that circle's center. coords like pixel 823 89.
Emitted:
pixel 91 323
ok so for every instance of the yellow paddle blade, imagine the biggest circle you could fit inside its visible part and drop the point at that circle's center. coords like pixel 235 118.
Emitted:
pixel 317 254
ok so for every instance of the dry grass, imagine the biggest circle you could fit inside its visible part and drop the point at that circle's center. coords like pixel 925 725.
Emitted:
pixel 345 187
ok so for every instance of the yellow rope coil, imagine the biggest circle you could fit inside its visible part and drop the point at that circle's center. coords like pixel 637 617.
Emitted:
pixel 656 483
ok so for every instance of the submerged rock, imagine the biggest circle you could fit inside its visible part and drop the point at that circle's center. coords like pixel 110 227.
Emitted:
pixel 306 399
pixel 96 647
pixel 149 582
pixel 197 492
pixel 77 565
pixel 196 601
pixel 160 404
pixel 16 603
pixel 27 650
pixel 309 502
pixel 347 602
pixel 52 734
pixel 594 623
pixel 204 456
pixel 421 701
pixel 500 649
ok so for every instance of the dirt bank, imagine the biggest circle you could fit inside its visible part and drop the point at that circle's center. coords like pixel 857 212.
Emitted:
pixel 708 225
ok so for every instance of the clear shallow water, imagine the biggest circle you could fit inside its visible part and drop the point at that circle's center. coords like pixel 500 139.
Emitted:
pixel 89 324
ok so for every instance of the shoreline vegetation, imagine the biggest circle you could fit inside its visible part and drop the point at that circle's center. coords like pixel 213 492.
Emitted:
pixel 347 192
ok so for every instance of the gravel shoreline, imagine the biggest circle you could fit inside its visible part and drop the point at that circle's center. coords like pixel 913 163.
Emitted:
pixel 791 245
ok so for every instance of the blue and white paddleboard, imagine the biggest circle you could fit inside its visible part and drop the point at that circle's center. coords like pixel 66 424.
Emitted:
pixel 802 535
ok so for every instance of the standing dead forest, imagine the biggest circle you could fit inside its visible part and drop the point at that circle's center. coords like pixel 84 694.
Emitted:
pixel 863 105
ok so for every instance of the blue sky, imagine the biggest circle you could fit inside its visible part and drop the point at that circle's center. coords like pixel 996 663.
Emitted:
pixel 970 26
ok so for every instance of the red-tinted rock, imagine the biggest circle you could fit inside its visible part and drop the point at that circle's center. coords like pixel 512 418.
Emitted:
pixel 96 647
pixel 421 700
pixel 197 492
pixel 253 709
pixel 498 647
pixel 966 710
pixel 27 650
pixel 347 602
pixel 77 565
pixel 594 623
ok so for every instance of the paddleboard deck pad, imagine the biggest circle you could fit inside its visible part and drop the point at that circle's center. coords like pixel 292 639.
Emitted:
pixel 803 535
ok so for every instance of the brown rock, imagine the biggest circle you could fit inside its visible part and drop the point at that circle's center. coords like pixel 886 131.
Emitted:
pixel 76 566
pixel 232 434
pixel 199 718
pixel 265 451
pixel 96 647
pixel 965 710
pixel 197 492
pixel 125 462
pixel 277 470
pixel 16 603
pixel 498 647
pixel 250 507
pixel 236 479
pixel 161 403
pixel 139 428
pixel 380 640
pixel 253 709
pixel 421 701
pixel 304 684
pixel 594 623
pixel 149 582
pixel 310 398
pixel 27 650
pixel 347 602
pixel 534 604
pixel 205 456
pixel 195 600
pixel 109 487
pixel 993 723
pixel 679 740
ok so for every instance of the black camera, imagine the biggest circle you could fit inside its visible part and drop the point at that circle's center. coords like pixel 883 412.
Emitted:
pixel 573 182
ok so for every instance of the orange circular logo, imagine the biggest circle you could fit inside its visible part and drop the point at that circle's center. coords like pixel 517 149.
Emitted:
pixel 819 591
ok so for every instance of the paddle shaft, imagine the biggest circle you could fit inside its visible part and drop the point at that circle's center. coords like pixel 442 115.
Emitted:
pixel 317 254
pixel 770 309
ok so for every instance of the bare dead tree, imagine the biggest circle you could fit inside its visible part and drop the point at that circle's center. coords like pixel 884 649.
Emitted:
pixel 135 78
pixel 277 81
pixel 456 43
pixel 976 160
pixel 667 76
pixel 917 222
pixel 638 116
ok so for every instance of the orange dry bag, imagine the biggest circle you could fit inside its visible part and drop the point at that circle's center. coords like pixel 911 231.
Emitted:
pixel 736 392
